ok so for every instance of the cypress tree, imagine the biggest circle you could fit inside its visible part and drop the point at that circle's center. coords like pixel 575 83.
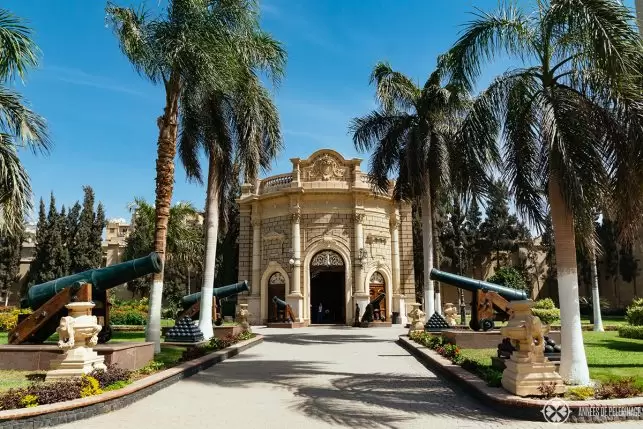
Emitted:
pixel 63 262
pixel 97 237
pixel 42 238
pixel 83 252
pixel 56 251
pixel 72 230
pixel 10 246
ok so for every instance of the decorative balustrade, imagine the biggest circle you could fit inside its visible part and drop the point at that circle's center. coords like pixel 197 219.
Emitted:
pixel 274 183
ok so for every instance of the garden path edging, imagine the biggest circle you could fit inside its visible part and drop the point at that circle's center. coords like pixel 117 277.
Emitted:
pixel 78 409
pixel 502 401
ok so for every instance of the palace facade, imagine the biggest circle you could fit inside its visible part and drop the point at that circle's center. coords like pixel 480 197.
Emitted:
pixel 320 235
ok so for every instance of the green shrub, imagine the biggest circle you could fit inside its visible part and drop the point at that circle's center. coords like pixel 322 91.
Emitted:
pixel 587 306
pixel 623 388
pixel 128 317
pixel 634 313
pixel 545 304
pixel 117 385
pixel 628 331
pixel 510 277
pixel 9 317
pixel 580 393
pixel 547 316
pixel 113 374
pixel 152 367
pixel 29 401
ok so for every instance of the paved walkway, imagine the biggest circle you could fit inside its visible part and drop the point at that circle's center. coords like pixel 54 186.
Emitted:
pixel 313 378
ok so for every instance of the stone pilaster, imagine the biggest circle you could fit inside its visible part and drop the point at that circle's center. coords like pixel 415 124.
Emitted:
pixel 399 305
pixel 360 294
pixel 255 286
pixel 295 298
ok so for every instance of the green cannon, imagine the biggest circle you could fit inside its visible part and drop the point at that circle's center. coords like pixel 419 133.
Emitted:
pixel 48 299
pixel 490 301
pixel 191 304
pixel 283 311
pixel 372 308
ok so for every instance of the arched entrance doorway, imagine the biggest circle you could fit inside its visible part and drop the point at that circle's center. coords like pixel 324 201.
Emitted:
pixel 276 287
pixel 377 285
pixel 327 278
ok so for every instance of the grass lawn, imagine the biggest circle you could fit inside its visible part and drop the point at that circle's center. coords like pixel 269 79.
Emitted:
pixel 609 356
pixel 169 356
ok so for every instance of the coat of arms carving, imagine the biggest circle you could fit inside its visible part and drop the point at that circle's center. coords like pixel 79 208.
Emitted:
pixel 326 167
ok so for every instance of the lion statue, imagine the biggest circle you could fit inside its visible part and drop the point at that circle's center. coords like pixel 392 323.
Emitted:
pixel 65 332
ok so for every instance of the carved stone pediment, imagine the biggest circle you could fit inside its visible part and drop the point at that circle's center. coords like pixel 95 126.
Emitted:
pixel 326 167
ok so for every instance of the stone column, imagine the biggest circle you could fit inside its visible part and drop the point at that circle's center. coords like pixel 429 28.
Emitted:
pixel 399 304
pixel 360 295
pixel 295 298
pixel 254 300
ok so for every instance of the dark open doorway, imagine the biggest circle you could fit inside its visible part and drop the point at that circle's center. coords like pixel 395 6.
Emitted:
pixel 327 288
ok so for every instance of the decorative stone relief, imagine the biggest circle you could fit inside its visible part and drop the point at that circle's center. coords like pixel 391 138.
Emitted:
pixel 359 217
pixel 376 239
pixel 277 279
pixel 326 167
pixel 327 258
pixel 377 278
pixel 273 244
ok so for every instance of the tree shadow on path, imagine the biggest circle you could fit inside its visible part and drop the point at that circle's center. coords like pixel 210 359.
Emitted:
pixel 375 400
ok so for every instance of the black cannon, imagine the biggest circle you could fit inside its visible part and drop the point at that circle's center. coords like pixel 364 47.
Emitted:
pixel 283 311
pixel 191 304
pixel 490 301
pixel 372 308
pixel 48 299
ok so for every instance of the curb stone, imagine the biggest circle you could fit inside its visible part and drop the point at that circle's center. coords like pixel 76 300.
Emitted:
pixel 505 403
pixel 82 408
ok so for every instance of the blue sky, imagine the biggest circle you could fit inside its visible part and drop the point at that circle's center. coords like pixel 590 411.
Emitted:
pixel 102 115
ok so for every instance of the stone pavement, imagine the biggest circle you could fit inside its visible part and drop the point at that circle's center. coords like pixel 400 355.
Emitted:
pixel 318 377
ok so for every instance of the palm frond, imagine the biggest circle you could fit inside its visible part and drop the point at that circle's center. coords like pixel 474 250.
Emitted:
pixel 133 28
pixel 27 127
pixel 19 52
pixel 394 91
pixel 506 30
pixel 15 188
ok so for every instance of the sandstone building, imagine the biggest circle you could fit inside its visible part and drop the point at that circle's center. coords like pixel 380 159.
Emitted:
pixel 319 234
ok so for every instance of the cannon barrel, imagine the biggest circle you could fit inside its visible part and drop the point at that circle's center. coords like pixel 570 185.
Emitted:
pixel 219 292
pixel 378 299
pixel 101 279
pixel 280 302
pixel 474 285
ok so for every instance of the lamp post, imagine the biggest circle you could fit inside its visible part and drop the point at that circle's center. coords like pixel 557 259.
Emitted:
pixel 462 306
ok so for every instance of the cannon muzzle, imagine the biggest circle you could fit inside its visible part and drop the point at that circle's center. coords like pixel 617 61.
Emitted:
pixel 219 292
pixel 280 302
pixel 101 279
pixel 378 299
pixel 475 285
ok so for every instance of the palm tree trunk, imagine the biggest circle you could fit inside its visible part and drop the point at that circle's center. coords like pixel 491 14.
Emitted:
pixel 596 299
pixel 573 362
pixel 427 250
pixel 436 256
pixel 211 233
pixel 164 186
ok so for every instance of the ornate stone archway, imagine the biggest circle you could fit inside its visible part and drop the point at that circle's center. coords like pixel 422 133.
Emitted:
pixel 272 269
pixel 328 243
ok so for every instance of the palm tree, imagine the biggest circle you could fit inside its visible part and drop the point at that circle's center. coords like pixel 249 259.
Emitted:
pixel 412 134
pixel 184 238
pixel 195 45
pixel 240 133
pixel 19 126
pixel 571 121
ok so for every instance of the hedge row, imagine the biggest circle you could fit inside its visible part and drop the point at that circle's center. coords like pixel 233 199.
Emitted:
pixel 628 331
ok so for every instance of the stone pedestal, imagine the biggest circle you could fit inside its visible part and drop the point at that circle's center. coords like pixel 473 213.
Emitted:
pixel 399 305
pixel 416 319
pixel 254 307
pixel 78 333
pixel 296 302
pixel 527 368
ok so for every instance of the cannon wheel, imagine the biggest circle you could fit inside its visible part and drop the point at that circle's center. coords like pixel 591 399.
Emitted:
pixel 105 334
pixel 486 324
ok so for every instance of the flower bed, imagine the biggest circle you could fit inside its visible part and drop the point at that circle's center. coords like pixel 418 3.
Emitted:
pixel 452 352
pixel 98 381
pixel 9 317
